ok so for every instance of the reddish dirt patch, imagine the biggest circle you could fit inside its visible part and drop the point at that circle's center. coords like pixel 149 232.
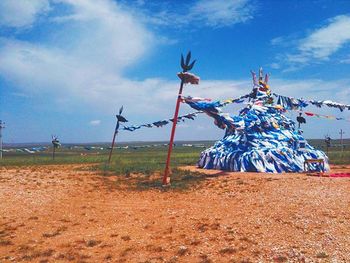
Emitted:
pixel 60 214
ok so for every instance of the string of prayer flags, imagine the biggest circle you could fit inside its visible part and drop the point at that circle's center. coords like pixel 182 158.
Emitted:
pixel 291 103
pixel 161 123
pixel 330 117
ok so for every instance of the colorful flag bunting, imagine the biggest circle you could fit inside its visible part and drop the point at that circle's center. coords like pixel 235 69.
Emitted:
pixel 291 103
pixel 190 116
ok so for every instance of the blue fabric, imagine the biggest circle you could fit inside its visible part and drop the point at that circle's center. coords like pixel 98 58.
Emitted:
pixel 290 103
pixel 262 140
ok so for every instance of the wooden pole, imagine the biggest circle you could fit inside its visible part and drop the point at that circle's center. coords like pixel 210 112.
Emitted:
pixel 166 178
pixel 112 146
pixel 2 126
pixel 53 152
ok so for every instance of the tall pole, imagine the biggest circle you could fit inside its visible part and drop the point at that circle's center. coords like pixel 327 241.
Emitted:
pixel 185 77
pixel 2 126
pixel 166 178
pixel 112 146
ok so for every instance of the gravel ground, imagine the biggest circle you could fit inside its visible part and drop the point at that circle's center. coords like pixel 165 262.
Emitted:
pixel 63 213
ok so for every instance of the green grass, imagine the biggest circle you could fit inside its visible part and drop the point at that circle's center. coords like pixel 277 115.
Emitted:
pixel 339 157
pixel 137 169
pixel 144 160
pixel 143 168
pixel 147 161
pixel 45 159
pixel 128 161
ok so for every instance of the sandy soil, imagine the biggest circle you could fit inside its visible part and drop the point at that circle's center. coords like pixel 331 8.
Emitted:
pixel 62 213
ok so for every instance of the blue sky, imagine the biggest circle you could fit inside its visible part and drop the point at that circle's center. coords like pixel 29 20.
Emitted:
pixel 66 66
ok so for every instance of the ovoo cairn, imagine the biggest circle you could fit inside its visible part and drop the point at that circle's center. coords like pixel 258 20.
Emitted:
pixel 260 138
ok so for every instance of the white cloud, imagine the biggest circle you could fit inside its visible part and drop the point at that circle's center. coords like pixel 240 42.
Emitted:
pixel 345 60
pixel 21 13
pixel 83 59
pixel 211 13
pixel 317 89
pixel 86 65
pixel 19 94
pixel 95 122
pixel 221 12
pixel 324 42
pixel 277 41
pixel 274 65
pixel 183 126
pixel 318 46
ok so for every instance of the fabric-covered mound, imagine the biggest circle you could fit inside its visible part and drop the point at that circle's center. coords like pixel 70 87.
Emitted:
pixel 263 140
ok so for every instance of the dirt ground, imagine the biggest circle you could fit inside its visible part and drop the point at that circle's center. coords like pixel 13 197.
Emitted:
pixel 63 213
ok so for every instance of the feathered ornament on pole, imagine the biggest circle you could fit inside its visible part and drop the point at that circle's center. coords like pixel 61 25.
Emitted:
pixel 185 78
pixel 120 118
pixel 55 144
pixel 327 140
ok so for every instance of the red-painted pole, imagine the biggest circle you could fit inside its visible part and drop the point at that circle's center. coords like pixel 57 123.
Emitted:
pixel 166 178
pixel 186 66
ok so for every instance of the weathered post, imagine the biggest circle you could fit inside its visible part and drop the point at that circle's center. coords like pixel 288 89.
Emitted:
pixel 55 144
pixel 2 126
pixel 120 118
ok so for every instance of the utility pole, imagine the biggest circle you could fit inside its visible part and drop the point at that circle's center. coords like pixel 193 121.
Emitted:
pixel 341 139
pixel 2 126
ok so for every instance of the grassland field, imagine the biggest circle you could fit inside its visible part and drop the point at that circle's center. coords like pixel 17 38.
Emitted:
pixel 138 158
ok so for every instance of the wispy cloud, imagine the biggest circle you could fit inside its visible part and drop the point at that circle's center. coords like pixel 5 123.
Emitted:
pixel 200 13
pixel 95 122
pixel 327 40
pixel 21 14
pixel 318 89
pixel 21 95
pixel 318 46
pixel 221 12
pixel 345 60
pixel 86 64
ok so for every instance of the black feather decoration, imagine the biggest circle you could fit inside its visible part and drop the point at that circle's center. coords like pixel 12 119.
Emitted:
pixel 183 66
pixel 301 119
pixel 188 58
